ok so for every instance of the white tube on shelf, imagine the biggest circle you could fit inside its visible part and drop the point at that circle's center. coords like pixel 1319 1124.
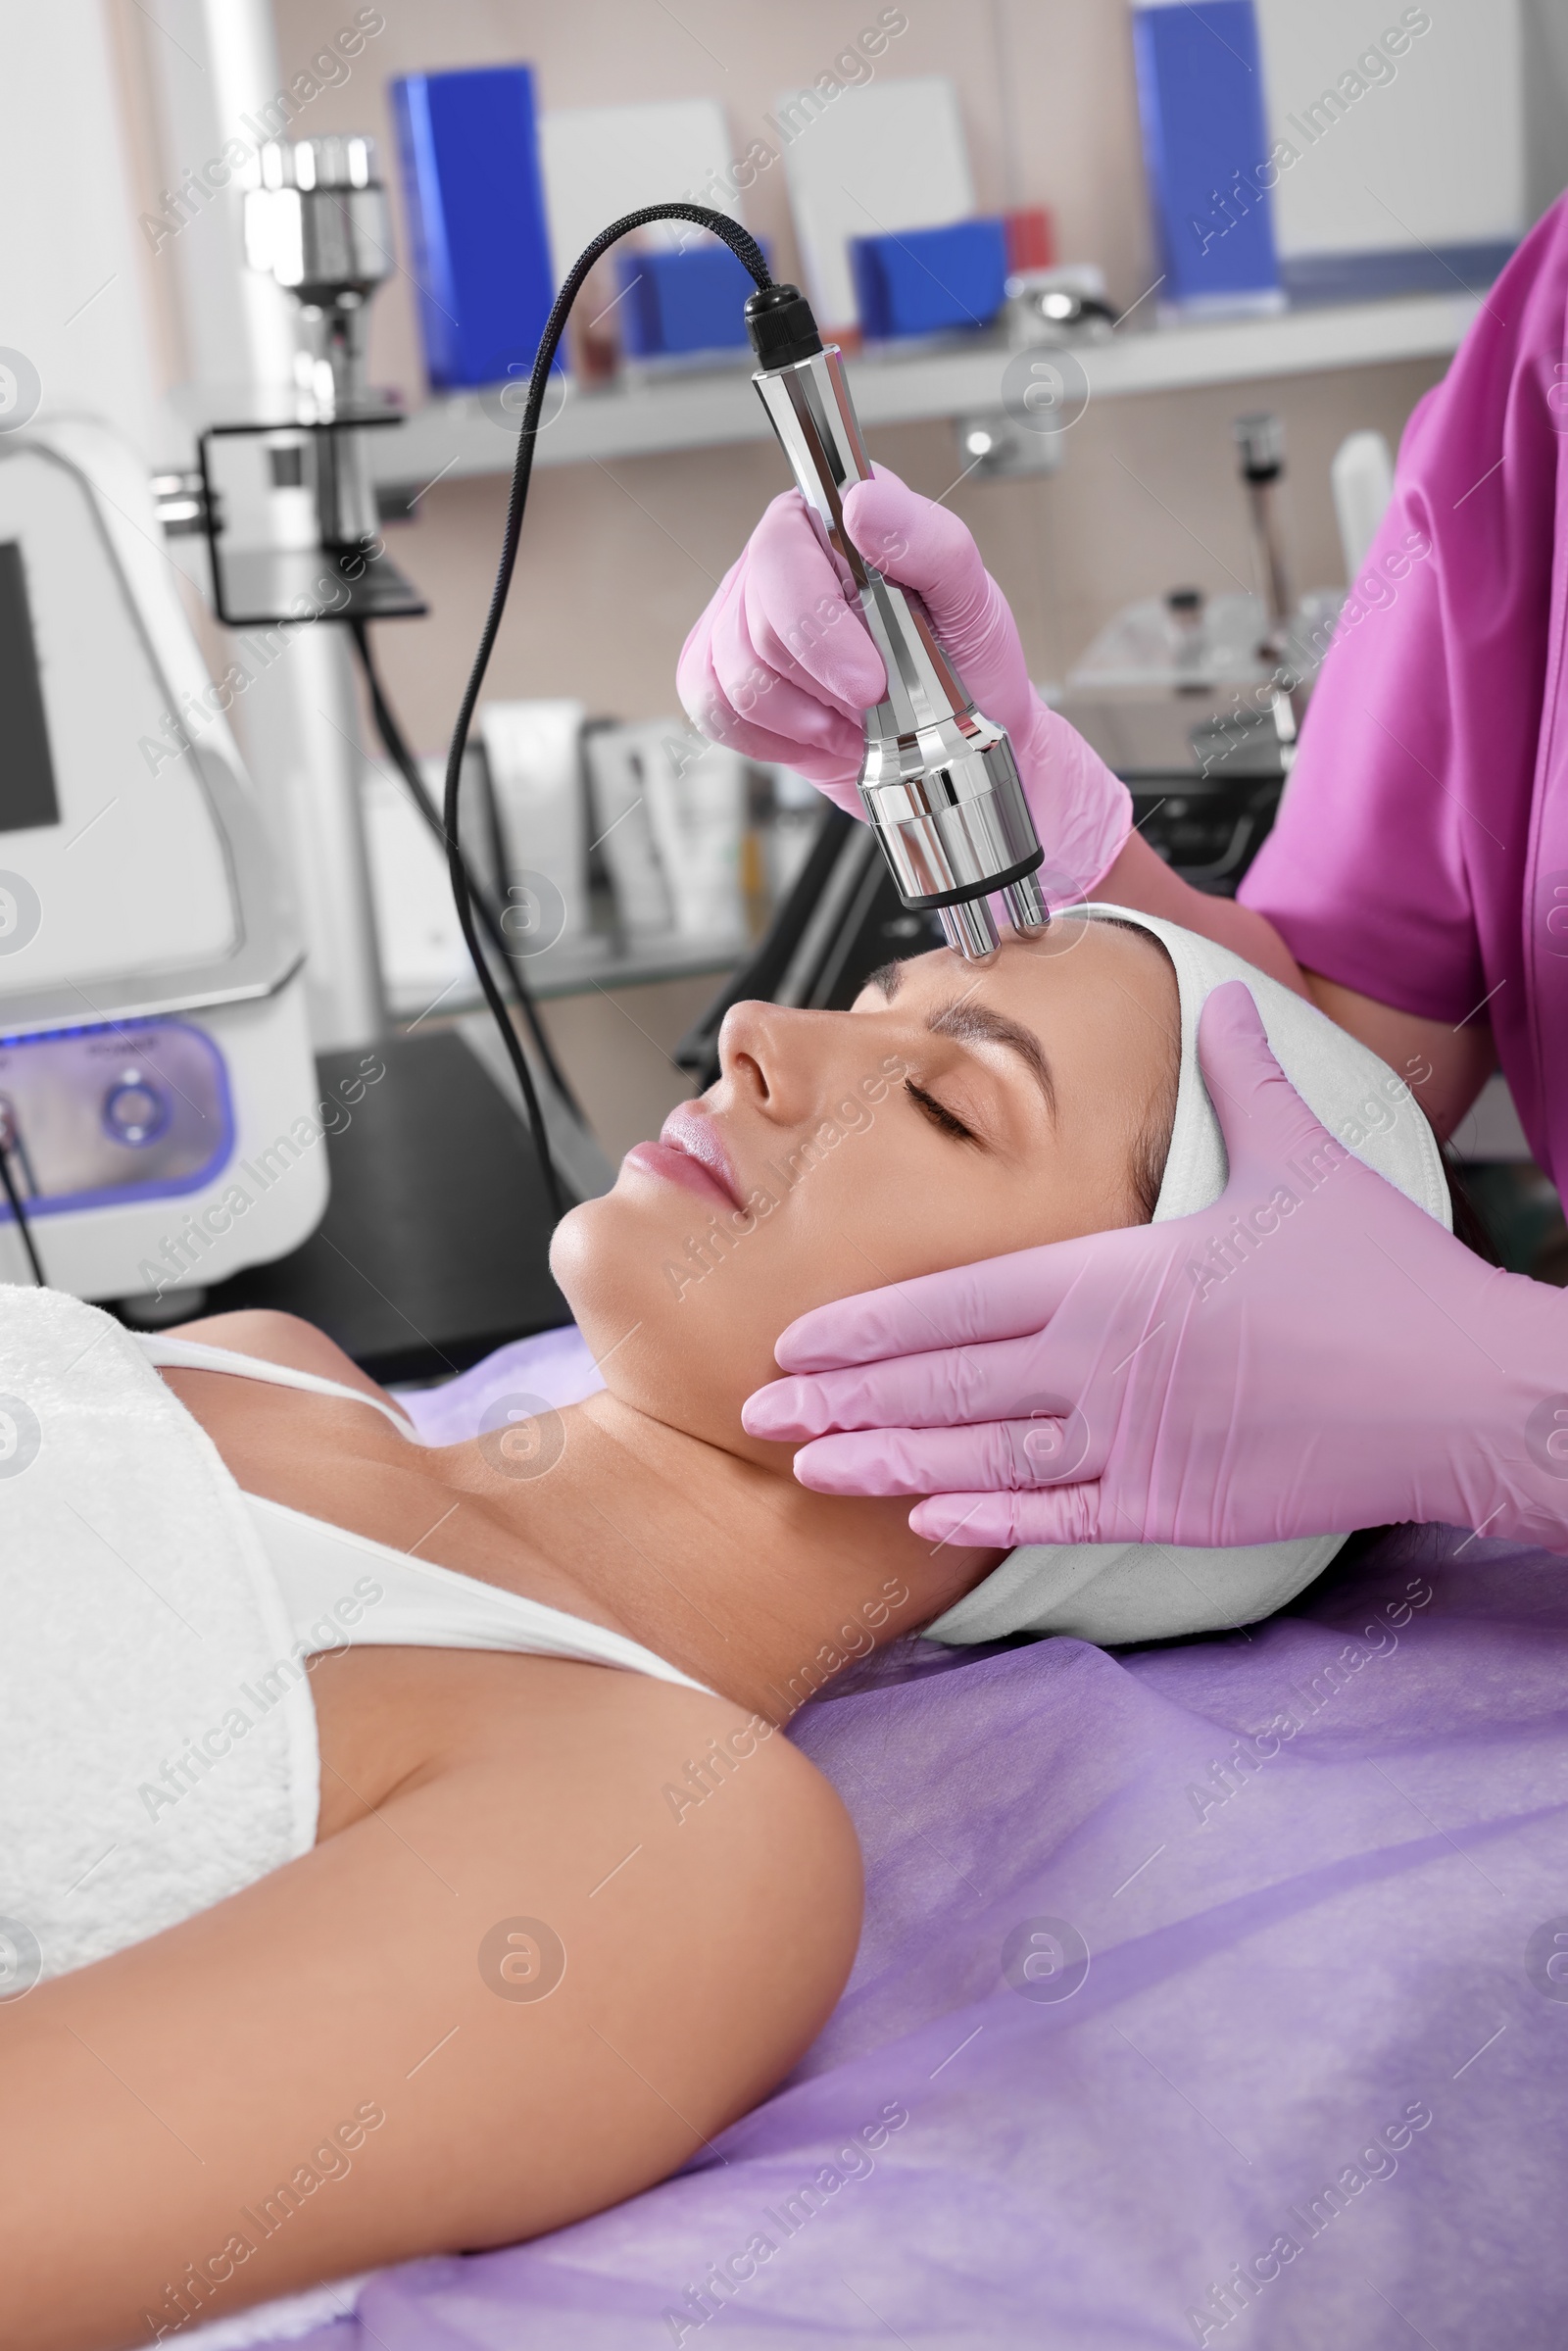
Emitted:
pixel 697 809
pixel 616 770
pixel 535 758
pixel 1362 480
pixel 424 960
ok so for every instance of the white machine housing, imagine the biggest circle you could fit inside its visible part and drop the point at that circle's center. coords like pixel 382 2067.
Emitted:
pixel 157 1086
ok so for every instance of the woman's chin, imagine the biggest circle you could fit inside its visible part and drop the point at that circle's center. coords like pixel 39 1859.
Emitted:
pixel 583 1261
pixel 568 1240
pixel 689 1361
pixel 605 1264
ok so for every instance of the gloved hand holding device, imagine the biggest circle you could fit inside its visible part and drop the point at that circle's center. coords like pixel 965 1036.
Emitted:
pixel 1345 1363
pixel 780 667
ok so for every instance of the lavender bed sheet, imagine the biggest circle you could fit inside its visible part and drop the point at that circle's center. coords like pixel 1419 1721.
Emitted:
pixel 1213 1992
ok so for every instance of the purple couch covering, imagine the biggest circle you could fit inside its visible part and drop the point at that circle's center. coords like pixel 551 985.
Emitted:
pixel 1317 1870
pixel 554 1367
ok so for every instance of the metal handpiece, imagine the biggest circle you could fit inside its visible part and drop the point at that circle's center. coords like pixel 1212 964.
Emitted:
pixel 937 779
pixel 319 224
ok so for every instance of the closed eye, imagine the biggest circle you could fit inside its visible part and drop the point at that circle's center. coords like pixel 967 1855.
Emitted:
pixel 938 1114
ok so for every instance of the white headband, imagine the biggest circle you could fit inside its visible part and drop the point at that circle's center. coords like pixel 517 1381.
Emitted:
pixel 1111 1592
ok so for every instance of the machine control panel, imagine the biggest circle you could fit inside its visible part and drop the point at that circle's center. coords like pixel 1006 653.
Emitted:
pixel 130 1110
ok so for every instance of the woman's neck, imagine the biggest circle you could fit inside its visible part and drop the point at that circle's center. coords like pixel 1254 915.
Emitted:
pixel 733 1572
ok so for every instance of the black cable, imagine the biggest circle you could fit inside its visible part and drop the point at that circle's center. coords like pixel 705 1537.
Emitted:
pixel 748 252
pixel 395 744
pixel 20 1214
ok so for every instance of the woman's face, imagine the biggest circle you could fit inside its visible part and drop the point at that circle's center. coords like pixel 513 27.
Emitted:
pixel 957 1112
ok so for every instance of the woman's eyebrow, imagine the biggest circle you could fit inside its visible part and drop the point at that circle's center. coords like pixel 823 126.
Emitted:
pixel 969 1023
pixel 887 978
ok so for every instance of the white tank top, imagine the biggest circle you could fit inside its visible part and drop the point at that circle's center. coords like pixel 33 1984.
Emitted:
pixel 343 1589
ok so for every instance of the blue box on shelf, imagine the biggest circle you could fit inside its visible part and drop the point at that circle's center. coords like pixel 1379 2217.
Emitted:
pixel 927 282
pixel 468 150
pixel 675 304
pixel 1205 149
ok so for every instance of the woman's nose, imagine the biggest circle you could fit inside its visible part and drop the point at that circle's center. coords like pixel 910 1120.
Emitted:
pixel 777 1058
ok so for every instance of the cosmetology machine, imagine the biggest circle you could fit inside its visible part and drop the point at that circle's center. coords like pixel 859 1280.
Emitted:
pixel 157 1091
pixel 156 1078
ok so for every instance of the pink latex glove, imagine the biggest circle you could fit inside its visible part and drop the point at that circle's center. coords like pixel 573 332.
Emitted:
pixel 781 667
pixel 1355 1365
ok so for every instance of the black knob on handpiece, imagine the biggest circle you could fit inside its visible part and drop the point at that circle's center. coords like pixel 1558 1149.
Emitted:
pixel 779 322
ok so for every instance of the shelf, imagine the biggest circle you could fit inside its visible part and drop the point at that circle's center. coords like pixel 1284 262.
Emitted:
pixel 577 966
pixel 467 434
pixel 580 966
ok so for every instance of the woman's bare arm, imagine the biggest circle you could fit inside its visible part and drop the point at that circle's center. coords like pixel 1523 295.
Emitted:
pixel 1445 1067
pixel 336 2068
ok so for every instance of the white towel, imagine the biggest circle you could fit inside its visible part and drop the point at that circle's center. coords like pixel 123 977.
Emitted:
pixel 1121 1592
pixel 159 1738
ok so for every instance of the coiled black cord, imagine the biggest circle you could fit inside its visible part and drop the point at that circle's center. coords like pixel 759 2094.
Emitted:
pixel 748 254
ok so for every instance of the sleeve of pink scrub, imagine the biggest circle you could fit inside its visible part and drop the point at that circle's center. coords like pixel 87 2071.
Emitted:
pixel 1397 865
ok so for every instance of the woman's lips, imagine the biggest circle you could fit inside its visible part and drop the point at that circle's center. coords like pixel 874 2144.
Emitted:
pixel 689 1152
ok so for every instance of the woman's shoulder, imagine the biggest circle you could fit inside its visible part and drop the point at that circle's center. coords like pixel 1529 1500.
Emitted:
pixel 783 1794
pixel 696 1828
pixel 652 1809
pixel 701 1876
pixel 715 1782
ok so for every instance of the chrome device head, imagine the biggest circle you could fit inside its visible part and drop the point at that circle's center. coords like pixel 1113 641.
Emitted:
pixel 319 224
pixel 939 780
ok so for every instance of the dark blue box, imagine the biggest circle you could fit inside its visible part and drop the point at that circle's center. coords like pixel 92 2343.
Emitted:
pixel 476 212
pixel 675 303
pixel 1206 151
pixel 928 281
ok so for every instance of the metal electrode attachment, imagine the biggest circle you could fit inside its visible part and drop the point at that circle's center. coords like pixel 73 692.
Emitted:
pixel 939 781
pixel 319 224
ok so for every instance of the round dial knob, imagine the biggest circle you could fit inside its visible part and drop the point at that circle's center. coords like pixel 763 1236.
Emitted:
pixel 135 1110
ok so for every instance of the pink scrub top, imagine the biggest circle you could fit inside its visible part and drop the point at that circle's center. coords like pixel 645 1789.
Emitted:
pixel 1421 854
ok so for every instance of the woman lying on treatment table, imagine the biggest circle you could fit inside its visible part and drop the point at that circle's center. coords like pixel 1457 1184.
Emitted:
pixel 550 1928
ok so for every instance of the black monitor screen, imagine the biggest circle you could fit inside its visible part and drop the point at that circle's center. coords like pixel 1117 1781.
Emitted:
pixel 27 794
